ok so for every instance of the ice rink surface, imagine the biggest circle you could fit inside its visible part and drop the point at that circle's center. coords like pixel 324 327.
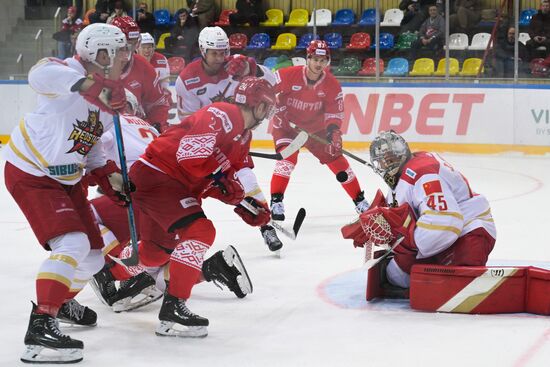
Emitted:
pixel 308 307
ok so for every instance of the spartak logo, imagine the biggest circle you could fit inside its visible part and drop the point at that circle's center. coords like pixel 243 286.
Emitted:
pixel 86 133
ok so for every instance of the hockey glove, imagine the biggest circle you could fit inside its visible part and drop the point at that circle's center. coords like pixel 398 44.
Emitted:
pixel 106 92
pixel 226 187
pixel 354 231
pixel 239 65
pixel 334 136
pixel 110 181
pixel 255 220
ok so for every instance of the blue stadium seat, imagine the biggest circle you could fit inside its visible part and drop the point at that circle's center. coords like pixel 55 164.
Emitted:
pixel 162 17
pixel 397 67
pixel 305 40
pixel 259 40
pixel 526 15
pixel 368 17
pixel 386 41
pixel 333 40
pixel 344 17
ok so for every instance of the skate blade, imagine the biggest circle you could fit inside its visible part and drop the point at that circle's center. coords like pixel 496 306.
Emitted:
pixel 38 354
pixel 67 322
pixel 166 328
pixel 244 284
pixel 93 284
pixel 232 258
pixel 149 295
pixel 278 254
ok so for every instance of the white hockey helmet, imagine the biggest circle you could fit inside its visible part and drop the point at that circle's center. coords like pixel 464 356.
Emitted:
pixel 213 38
pixel 388 153
pixel 99 36
pixel 147 39
pixel 132 105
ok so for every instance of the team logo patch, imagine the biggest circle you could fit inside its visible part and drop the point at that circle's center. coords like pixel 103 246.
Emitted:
pixel 188 202
pixel 201 91
pixel 226 123
pixel 296 88
pixel 196 146
pixel 161 62
pixel 86 133
pixel 192 81
pixel 134 84
pixel 321 94
pixel 409 172
pixel 432 187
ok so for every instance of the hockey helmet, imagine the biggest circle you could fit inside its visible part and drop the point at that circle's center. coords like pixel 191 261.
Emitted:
pixel 132 105
pixel 253 91
pixel 388 153
pixel 318 48
pixel 213 38
pixel 99 36
pixel 129 27
pixel 147 39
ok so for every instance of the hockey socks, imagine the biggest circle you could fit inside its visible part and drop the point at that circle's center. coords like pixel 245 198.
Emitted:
pixel 281 173
pixel 350 184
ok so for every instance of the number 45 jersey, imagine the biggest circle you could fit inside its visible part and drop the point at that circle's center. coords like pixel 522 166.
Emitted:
pixel 445 206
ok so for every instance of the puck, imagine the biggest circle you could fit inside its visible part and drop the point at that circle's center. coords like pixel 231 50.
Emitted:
pixel 342 176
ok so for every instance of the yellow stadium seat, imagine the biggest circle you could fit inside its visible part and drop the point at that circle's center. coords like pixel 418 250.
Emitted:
pixel 423 67
pixel 285 41
pixel 453 67
pixel 470 67
pixel 274 18
pixel 298 18
pixel 160 43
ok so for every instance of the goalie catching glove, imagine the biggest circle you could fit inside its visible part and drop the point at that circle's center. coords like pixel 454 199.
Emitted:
pixel 256 220
pixel 110 180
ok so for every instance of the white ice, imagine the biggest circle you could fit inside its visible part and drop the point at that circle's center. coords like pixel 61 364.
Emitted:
pixel 308 307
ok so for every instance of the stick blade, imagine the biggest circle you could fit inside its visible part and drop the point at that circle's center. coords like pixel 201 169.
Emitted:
pixel 298 221
pixel 295 145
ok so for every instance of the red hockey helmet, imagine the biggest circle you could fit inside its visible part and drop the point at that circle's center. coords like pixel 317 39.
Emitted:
pixel 318 48
pixel 252 91
pixel 128 26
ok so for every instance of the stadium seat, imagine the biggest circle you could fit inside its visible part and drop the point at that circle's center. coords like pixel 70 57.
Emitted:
pixel 539 68
pixel 348 66
pixel 333 40
pixel 344 17
pixel 305 40
pixel 359 41
pixel 259 40
pixel 282 62
pixel 369 67
pixel 392 18
pixel 297 18
pixel 386 41
pixel 298 61
pixel 470 67
pixel 323 18
pixel 285 41
pixel 524 37
pixel 86 19
pixel 422 67
pixel 368 17
pixel 275 18
pixel 270 62
pixel 525 16
pixel 397 67
pixel 405 41
pixel 238 41
pixel 458 41
pixel 453 67
pixel 480 41
pixel 176 64
pixel 160 43
pixel 162 17
pixel 224 17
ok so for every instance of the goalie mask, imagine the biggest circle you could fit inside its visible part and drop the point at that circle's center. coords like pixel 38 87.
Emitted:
pixel 388 153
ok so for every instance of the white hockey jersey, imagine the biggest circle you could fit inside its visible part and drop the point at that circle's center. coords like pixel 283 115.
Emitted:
pixel 196 89
pixel 445 206
pixel 62 136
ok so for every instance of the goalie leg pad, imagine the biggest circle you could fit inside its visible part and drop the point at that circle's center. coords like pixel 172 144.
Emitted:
pixel 378 284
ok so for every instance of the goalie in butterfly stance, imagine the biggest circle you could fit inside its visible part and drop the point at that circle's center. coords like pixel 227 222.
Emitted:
pixel 430 205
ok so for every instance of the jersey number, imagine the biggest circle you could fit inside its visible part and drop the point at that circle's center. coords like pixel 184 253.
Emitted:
pixel 147 134
pixel 437 202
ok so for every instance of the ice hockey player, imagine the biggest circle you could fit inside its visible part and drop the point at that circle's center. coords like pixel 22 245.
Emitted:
pixel 196 159
pixel 46 156
pixel 140 78
pixel 213 78
pixel 113 221
pixel 430 205
pixel 311 98
pixel 158 60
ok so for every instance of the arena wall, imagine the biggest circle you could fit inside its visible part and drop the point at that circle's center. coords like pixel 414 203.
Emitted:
pixel 473 118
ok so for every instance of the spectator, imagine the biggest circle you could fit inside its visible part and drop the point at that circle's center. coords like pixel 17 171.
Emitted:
pixel 416 12
pixel 183 36
pixel 145 20
pixel 504 55
pixel 102 10
pixel 539 30
pixel 467 14
pixel 66 37
pixel 431 34
pixel 248 11
pixel 117 12
pixel 204 10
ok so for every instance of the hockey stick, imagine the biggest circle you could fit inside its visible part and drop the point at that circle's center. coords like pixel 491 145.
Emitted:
pixel 290 149
pixel 292 234
pixel 372 262
pixel 325 141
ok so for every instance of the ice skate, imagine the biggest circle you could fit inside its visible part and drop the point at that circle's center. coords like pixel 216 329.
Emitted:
pixel 361 204
pixel 227 268
pixel 43 334
pixel 177 320
pixel 270 238
pixel 103 284
pixel 72 312
pixel 277 207
pixel 136 292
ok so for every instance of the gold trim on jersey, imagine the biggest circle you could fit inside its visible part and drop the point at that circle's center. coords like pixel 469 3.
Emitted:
pixel 105 230
pixel 21 155
pixel 109 247
pixel 55 277
pixel 256 191
pixel 435 227
pixel 481 217
pixel 64 258
pixel 452 214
